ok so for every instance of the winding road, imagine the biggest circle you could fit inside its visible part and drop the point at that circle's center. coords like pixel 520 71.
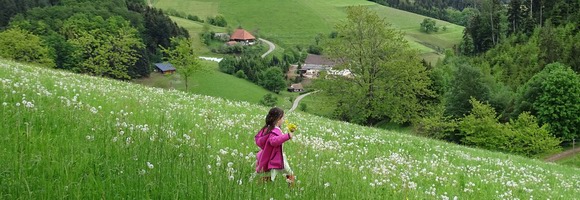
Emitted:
pixel 298 99
pixel 270 44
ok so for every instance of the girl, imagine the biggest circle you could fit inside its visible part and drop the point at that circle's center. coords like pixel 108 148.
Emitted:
pixel 270 138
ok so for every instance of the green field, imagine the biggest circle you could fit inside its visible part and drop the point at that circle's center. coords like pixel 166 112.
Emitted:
pixel 573 161
pixel 297 22
pixel 212 82
pixel 73 136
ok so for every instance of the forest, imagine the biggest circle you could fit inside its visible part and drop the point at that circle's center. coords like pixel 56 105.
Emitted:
pixel 110 38
pixel 511 85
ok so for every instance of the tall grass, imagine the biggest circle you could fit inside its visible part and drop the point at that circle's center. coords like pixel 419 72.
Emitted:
pixel 81 137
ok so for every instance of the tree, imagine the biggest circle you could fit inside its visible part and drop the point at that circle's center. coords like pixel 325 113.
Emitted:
pixel 553 95
pixel 106 47
pixel 182 56
pixel 522 136
pixel 269 100
pixel 23 46
pixel 273 79
pixel 387 74
pixel 429 25
pixel 467 82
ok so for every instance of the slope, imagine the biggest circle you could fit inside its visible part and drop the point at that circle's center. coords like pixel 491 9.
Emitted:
pixel 297 22
pixel 69 135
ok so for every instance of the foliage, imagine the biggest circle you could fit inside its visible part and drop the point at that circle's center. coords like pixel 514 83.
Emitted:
pixel 183 57
pixel 522 136
pixel 47 21
pixel 21 45
pixel 429 25
pixel 241 74
pixel 269 100
pixel 266 73
pixel 388 76
pixel 303 107
pixel 553 95
pixel 438 126
pixel 105 47
pixel 467 82
pixel 217 21
pixel 443 9
pixel 273 79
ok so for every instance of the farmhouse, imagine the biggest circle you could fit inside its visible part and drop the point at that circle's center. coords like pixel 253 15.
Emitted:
pixel 242 36
pixel 164 68
pixel 296 88
pixel 314 64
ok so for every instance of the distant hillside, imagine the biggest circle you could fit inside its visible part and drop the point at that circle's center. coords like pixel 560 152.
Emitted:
pixel 83 137
pixel 297 22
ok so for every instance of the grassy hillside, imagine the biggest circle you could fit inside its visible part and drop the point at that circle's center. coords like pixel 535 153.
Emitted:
pixel 212 82
pixel 72 136
pixel 296 22
pixel 195 28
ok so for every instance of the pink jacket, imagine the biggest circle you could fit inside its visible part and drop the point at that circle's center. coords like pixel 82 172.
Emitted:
pixel 270 154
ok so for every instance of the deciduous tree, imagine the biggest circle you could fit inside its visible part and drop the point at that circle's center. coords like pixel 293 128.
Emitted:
pixel 387 74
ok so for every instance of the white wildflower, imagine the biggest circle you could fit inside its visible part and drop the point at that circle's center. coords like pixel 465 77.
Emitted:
pixel 327 184
pixel 150 165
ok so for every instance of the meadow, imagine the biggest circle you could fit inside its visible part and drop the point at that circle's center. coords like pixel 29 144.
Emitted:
pixel 74 136
pixel 212 82
pixel 297 22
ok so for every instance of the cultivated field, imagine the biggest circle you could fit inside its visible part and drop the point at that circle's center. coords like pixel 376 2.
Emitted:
pixel 73 136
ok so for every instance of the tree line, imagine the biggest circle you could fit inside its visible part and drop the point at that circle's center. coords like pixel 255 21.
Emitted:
pixel 521 95
pixel 117 39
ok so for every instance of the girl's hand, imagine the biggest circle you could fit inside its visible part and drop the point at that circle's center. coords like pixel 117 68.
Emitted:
pixel 291 127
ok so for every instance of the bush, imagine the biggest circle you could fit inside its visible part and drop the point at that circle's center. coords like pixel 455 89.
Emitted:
pixel 553 95
pixel 269 100
pixel 438 126
pixel 522 136
pixel 217 21
pixel 530 139
pixel 24 46
pixel 303 107
pixel 241 74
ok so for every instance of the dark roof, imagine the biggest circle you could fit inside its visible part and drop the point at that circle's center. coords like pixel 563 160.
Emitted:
pixel 314 59
pixel 241 34
pixel 165 67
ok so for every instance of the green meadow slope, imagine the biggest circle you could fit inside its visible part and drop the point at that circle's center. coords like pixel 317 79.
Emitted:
pixel 297 22
pixel 74 136
pixel 213 82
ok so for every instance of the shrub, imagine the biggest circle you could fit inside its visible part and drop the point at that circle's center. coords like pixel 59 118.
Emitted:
pixel 553 95
pixel 522 136
pixel 269 100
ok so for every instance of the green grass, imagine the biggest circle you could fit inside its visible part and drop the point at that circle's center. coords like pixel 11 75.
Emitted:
pixel 319 104
pixel 195 28
pixel 212 82
pixel 573 161
pixel 297 22
pixel 73 136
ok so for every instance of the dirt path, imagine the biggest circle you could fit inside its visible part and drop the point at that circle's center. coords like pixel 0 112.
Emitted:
pixel 298 99
pixel 270 44
pixel 563 155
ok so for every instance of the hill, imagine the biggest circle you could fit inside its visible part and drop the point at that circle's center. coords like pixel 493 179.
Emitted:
pixel 76 136
pixel 297 22
pixel 213 82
